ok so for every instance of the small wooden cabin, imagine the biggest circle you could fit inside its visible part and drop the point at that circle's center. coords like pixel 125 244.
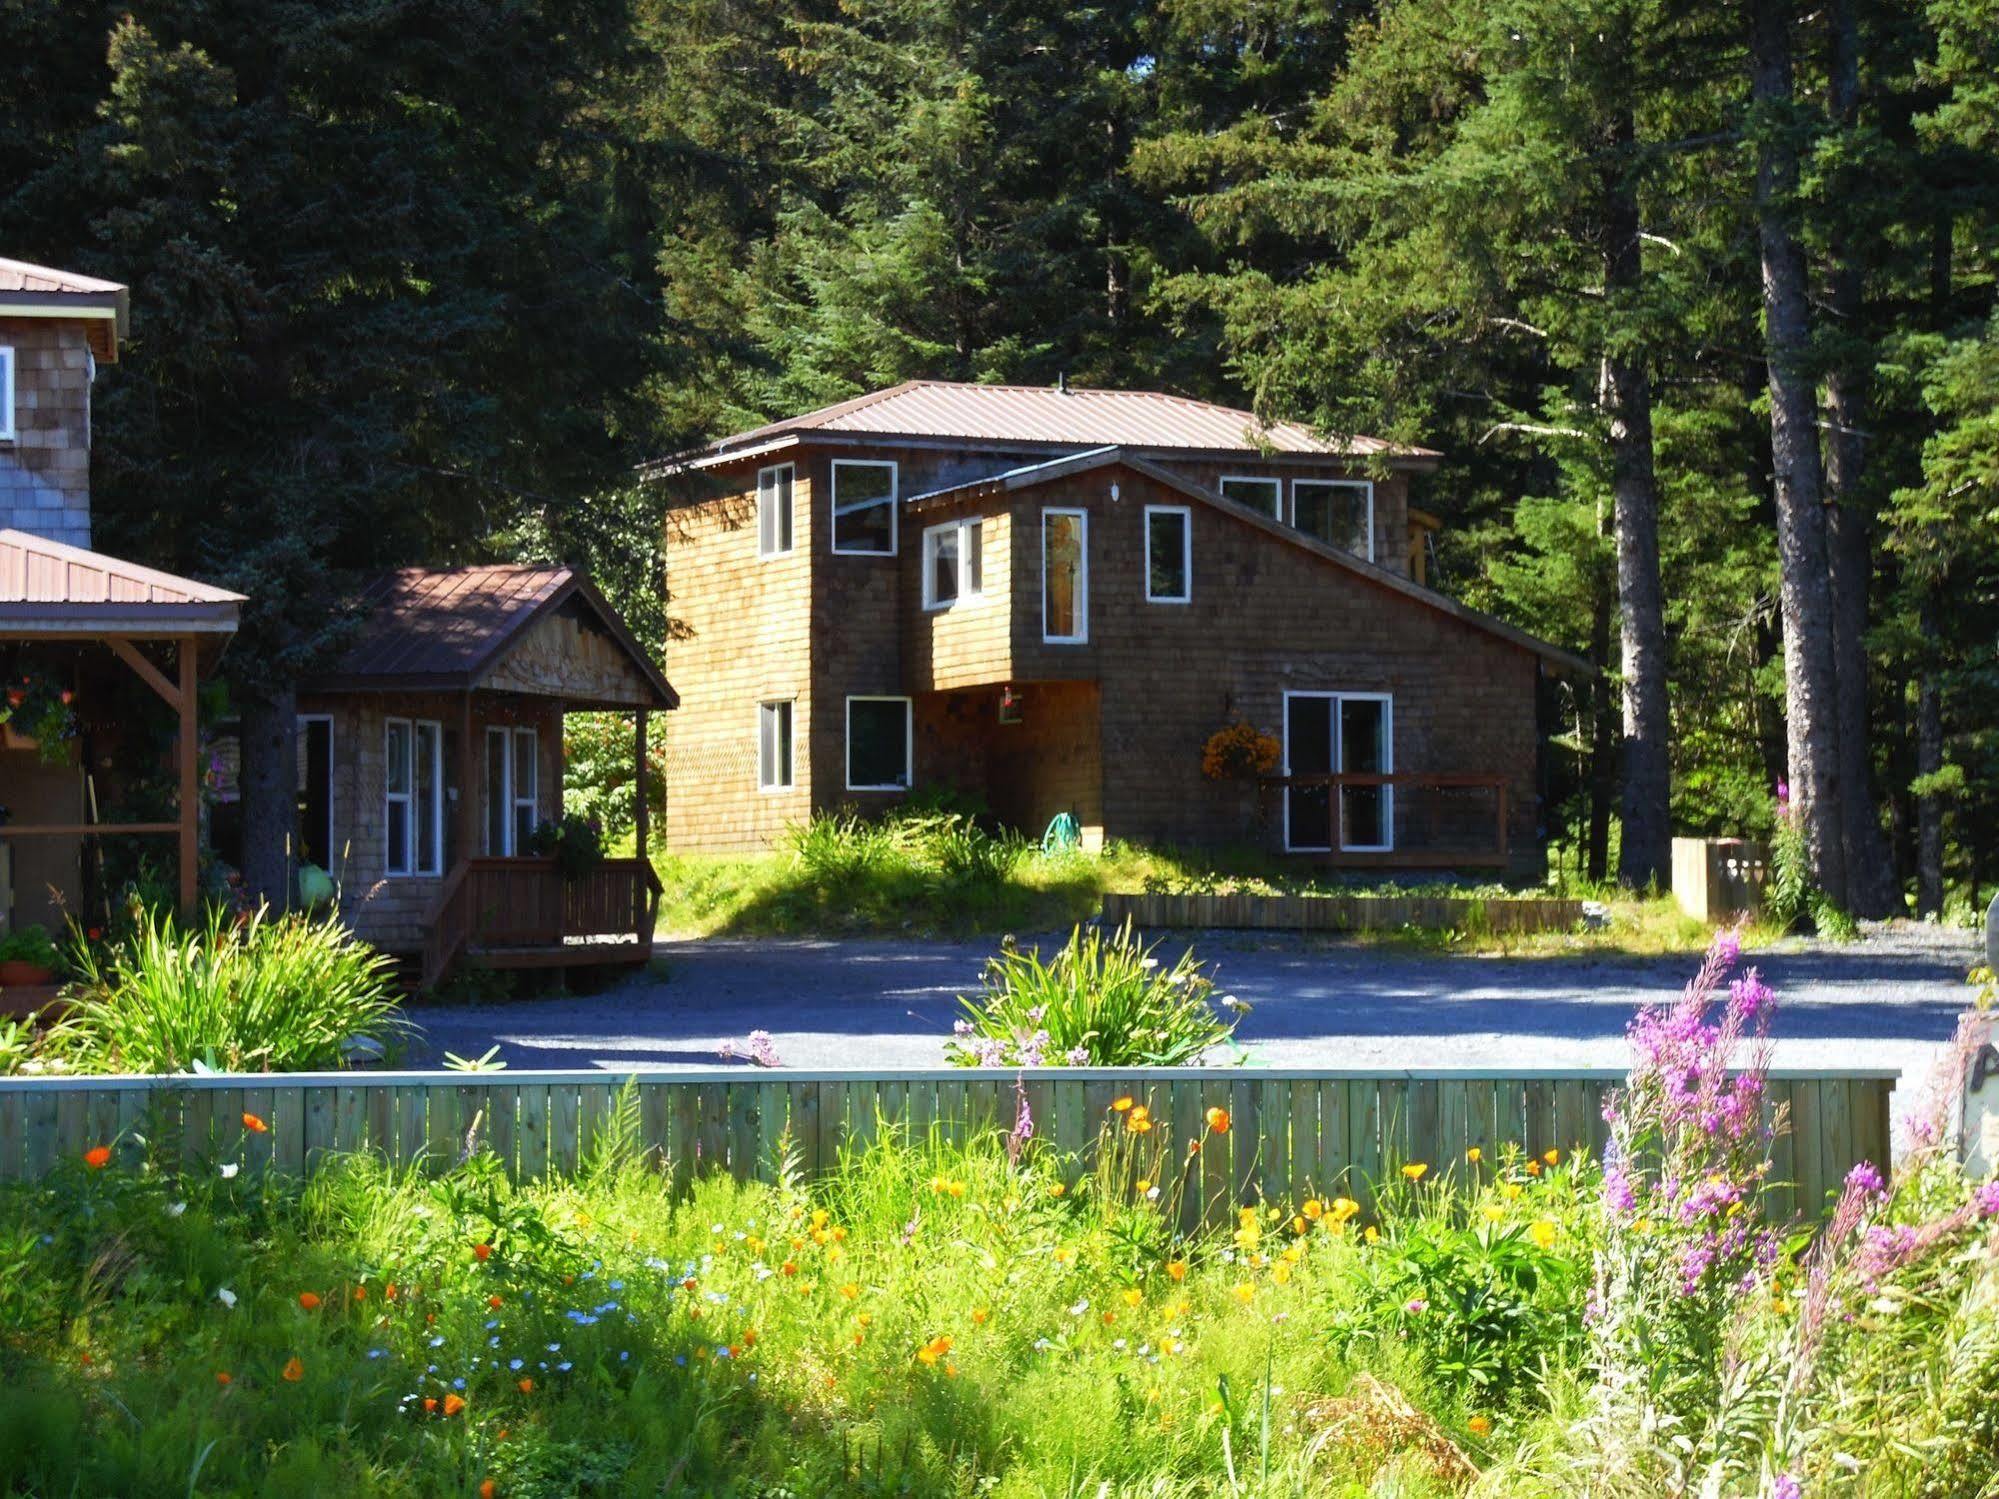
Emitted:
pixel 433 749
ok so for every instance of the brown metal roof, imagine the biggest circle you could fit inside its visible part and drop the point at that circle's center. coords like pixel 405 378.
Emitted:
pixel 28 290
pixel 445 628
pixel 1060 417
pixel 50 586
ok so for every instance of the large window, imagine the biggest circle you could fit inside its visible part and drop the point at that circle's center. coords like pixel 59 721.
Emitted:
pixel 774 746
pixel 1065 576
pixel 6 393
pixel 513 776
pixel 315 789
pixel 413 796
pixel 863 508
pixel 1169 554
pixel 953 563
pixel 774 510
pixel 1339 512
pixel 1338 733
pixel 1260 494
pixel 879 743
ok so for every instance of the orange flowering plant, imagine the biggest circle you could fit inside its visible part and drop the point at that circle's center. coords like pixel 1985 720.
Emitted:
pixel 1240 752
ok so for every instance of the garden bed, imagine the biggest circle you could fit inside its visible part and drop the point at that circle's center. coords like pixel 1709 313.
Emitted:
pixel 1152 910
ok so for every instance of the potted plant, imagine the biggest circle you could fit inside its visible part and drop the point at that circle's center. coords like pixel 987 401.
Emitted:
pixel 36 713
pixel 28 958
pixel 575 842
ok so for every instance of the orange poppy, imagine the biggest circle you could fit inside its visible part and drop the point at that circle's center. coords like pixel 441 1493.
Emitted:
pixel 453 1404
pixel 488 1488
pixel 527 1386
pixel 293 1370
pixel 97 1157
pixel 482 1251
pixel 309 1300
pixel 222 1376
pixel 494 1302
pixel 360 1293
pixel 429 1403
pixel 1218 1120
pixel 255 1125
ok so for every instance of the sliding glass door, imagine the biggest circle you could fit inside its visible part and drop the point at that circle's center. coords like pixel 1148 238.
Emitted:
pixel 1331 733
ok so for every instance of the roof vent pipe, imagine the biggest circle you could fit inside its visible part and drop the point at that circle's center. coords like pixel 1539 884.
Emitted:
pixel 1062 382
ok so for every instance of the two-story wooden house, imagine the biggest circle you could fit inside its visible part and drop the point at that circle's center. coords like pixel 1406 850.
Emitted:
pixel 1052 598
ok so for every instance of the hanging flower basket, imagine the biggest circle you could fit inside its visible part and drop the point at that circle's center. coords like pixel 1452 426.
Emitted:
pixel 36 713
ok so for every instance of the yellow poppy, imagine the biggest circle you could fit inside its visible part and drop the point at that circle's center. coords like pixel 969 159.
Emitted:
pixel 1414 1170
pixel 1218 1120
pixel 1474 1155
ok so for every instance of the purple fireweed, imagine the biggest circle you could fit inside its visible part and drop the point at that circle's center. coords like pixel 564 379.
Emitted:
pixel 757 1049
pixel 1023 1124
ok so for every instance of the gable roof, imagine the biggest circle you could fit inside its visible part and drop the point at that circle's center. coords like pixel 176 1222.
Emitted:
pixel 444 629
pixel 50 587
pixel 1028 476
pixel 40 291
pixel 1046 416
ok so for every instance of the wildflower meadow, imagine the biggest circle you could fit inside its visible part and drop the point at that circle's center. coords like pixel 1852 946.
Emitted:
pixel 999 1318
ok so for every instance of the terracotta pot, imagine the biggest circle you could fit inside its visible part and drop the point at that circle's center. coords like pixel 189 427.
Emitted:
pixel 16 973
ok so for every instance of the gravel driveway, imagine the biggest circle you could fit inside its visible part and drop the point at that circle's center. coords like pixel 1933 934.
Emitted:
pixel 1887 1001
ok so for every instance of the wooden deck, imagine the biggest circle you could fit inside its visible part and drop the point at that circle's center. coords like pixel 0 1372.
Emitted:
pixel 525 913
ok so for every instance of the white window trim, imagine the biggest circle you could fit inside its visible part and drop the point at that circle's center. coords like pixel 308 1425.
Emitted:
pixel 506 789
pixel 967 594
pixel 791 748
pixel 835 511
pixel 1273 480
pixel 1387 701
pixel 908 741
pixel 8 361
pixel 1186 514
pixel 1082 635
pixel 332 818
pixel 408 800
pixel 1362 484
pixel 515 800
pixel 791 507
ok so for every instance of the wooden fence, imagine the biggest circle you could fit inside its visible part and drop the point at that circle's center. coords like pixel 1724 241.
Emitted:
pixel 1149 910
pixel 1292 1133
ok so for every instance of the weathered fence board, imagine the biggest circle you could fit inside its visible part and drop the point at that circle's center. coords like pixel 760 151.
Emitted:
pixel 1343 913
pixel 1292 1133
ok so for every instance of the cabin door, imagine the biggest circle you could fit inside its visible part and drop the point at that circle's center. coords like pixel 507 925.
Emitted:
pixel 1328 733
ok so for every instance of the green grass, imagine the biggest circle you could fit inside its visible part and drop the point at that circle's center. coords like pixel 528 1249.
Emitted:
pixel 925 876
pixel 930 1320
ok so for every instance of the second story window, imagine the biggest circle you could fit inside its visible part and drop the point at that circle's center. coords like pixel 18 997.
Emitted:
pixel 774 510
pixel 863 508
pixel 6 394
pixel 953 563
pixel 1169 554
pixel 1260 494
pixel 1065 577
pixel 1339 512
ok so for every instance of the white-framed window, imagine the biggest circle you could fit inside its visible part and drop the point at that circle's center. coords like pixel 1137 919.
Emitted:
pixel 1065 576
pixel 953 563
pixel 881 743
pixel 513 795
pixel 1339 733
pixel 774 752
pixel 1339 512
pixel 1258 491
pixel 413 796
pixel 774 487
pixel 6 393
pixel 864 519
pixel 1169 554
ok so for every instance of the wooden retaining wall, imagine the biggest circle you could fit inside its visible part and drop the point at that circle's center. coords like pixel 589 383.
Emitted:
pixel 1149 910
pixel 1293 1133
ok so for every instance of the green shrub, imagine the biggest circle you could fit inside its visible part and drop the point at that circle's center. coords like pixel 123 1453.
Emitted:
pixel 1098 1002
pixel 30 944
pixel 278 994
pixel 574 841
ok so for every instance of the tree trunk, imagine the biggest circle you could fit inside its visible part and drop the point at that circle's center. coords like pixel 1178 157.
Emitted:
pixel 1929 760
pixel 1805 590
pixel 1603 737
pixel 270 796
pixel 1645 857
pixel 1870 871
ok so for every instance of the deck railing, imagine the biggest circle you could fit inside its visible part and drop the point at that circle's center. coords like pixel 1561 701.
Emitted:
pixel 1291 1133
pixel 1432 819
pixel 490 905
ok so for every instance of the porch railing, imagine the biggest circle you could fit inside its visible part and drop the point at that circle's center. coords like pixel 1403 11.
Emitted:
pixel 488 905
pixel 1431 819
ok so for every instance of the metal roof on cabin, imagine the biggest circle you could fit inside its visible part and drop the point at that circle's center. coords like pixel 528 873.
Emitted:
pixel 445 626
pixel 1076 415
pixel 37 571
pixel 20 275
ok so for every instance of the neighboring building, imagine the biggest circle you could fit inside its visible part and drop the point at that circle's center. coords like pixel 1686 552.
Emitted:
pixel 103 638
pixel 430 753
pixel 1050 599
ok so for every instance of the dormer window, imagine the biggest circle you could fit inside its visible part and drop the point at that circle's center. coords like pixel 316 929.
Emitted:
pixel 6 393
pixel 1339 512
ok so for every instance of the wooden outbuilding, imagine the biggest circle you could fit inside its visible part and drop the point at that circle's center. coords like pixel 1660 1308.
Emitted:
pixel 432 750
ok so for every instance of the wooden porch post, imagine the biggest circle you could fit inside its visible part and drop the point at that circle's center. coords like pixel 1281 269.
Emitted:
pixel 468 784
pixel 190 797
pixel 642 814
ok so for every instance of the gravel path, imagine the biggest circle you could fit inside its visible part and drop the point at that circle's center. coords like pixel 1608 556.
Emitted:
pixel 1888 1001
